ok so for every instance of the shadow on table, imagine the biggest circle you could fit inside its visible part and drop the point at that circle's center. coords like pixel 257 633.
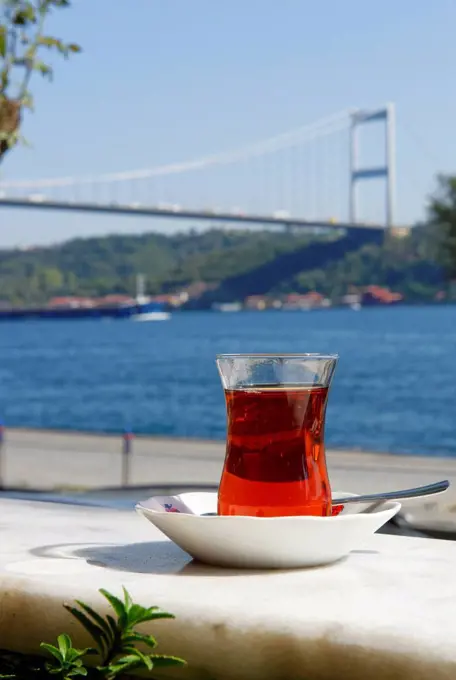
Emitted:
pixel 158 557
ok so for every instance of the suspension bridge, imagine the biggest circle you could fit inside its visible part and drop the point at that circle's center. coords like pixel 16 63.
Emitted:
pixel 304 178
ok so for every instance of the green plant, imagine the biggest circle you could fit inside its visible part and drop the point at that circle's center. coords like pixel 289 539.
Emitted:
pixel 442 218
pixel 115 639
pixel 22 40
pixel 67 661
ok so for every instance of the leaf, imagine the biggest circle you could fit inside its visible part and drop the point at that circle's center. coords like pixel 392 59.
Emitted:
pixel 77 671
pixel 127 649
pixel 75 655
pixel 64 642
pixel 128 602
pixel 136 654
pixel 63 49
pixel 148 640
pixel 3 41
pixel 47 41
pixel 44 69
pixel 113 625
pixel 4 80
pixel 97 634
pixel 73 47
pixel 138 614
pixel 29 55
pixel 127 663
pixel 114 670
pixel 25 15
pixel 156 613
pixel 135 614
pixel 99 620
pixel 115 603
pixel 9 137
pixel 164 661
pixel 27 101
pixel 53 651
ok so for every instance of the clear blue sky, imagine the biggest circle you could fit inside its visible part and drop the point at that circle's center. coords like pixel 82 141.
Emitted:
pixel 168 80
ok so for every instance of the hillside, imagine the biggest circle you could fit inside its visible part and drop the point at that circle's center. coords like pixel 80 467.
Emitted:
pixel 96 266
pixel 236 263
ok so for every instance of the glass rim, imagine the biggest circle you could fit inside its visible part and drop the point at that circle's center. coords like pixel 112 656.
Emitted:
pixel 278 355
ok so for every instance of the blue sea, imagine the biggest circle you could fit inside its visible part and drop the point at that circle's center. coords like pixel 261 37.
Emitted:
pixel 394 388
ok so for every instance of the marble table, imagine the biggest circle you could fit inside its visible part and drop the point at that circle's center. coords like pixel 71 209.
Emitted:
pixel 388 611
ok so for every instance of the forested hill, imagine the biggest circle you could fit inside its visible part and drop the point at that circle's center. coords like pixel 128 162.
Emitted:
pixel 236 263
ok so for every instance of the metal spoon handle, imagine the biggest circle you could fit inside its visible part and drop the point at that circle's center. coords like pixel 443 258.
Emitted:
pixel 416 492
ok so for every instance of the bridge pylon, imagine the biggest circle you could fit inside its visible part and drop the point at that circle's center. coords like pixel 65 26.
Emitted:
pixel 387 169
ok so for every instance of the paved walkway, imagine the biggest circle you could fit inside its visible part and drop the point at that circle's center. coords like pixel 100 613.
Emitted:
pixel 48 460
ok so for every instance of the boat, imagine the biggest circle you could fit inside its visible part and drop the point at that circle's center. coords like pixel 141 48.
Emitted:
pixel 139 308
pixel 151 316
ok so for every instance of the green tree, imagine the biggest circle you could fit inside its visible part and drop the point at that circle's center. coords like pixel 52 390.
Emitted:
pixel 22 42
pixel 442 217
pixel 51 279
pixel 232 264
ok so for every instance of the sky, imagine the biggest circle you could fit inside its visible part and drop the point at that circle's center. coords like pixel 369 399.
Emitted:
pixel 164 81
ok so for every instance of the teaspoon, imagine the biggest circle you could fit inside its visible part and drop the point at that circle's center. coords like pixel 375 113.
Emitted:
pixel 378 498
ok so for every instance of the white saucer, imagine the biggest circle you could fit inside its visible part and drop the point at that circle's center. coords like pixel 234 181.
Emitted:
pixel 257 542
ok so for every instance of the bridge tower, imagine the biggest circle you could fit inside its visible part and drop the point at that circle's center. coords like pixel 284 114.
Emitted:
pixel 387 170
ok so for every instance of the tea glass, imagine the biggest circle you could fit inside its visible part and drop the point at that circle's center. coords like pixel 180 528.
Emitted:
pixel 275 462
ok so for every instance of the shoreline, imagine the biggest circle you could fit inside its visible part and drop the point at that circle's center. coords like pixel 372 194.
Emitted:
pixel 336 306
pixel 58 459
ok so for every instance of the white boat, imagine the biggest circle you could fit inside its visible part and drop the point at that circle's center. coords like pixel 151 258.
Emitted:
pixel 145 303
pixel 151 316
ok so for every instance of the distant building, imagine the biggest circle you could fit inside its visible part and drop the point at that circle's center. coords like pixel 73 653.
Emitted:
pixel 70 302
pixel 378 295
pixel 257 302
pixel 173 299
pixel 114 300
pixel 400 232
pixel 312 300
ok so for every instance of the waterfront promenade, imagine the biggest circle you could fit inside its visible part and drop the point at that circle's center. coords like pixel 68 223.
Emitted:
pixel 54 460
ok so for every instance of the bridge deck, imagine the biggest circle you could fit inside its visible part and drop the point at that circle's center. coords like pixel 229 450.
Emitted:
pixel 151 211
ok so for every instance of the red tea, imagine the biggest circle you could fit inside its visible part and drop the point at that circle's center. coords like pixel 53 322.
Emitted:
pixel 275 459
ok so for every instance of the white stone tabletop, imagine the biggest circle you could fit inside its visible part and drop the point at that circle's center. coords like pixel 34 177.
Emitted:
pixel 388 611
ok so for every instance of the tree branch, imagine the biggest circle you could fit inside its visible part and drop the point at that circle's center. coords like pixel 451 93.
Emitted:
pixel 42 11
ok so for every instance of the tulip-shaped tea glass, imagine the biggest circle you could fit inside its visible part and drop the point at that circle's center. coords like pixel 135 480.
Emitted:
pixel 275 452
